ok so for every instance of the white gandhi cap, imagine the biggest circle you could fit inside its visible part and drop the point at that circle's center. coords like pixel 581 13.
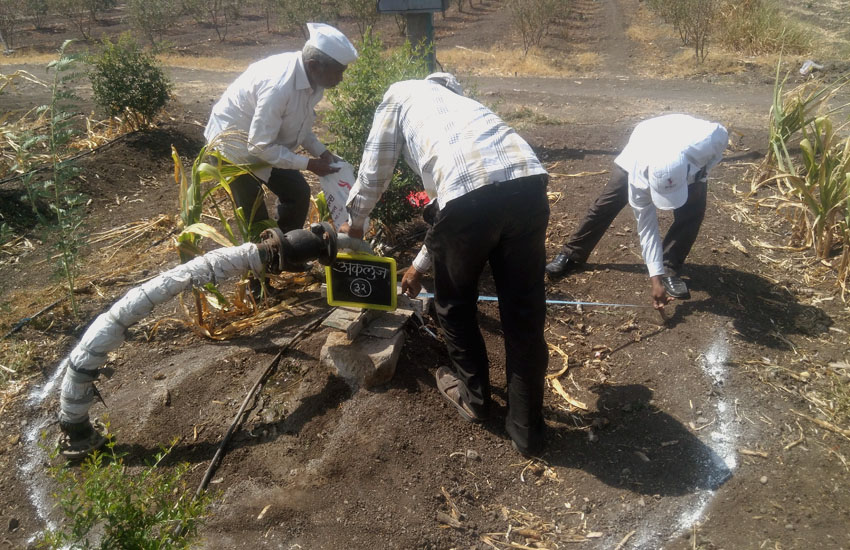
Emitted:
pixel 330 41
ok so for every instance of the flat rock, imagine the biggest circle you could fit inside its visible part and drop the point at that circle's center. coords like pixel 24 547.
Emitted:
pixel 365 361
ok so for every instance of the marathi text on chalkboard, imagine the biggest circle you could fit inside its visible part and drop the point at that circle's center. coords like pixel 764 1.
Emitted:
pixel 362 281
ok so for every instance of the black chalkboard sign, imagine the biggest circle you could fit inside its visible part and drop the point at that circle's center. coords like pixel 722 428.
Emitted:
pixel 361 280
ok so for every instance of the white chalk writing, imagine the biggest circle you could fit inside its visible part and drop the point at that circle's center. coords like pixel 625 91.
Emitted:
pixel 361 288
pixel 365 271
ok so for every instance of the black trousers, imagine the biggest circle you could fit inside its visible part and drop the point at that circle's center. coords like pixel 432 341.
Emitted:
pixel 680 238
pixel 503 224
pixel 291 190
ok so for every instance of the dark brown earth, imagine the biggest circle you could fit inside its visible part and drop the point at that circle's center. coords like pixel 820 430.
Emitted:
pixel 693 435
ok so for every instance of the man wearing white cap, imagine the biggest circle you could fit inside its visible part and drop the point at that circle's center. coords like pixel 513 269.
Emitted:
pixel 272 103
pixel 664 166
pixel 491 193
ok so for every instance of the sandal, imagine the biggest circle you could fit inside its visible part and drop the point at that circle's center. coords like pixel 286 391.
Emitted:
pixel 84 443
pixel 449 386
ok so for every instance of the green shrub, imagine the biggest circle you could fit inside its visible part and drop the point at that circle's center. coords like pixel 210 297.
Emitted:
pixel 364 14
pixel 152 18
pixel 11 19
pixel 107 505
pixel 83 13
pixel 293 15
pixel 694 20
pixel 128 82
pixel 532 19
pixel 218 14
pixel 747 26
pixel 354 103
pixel 37 11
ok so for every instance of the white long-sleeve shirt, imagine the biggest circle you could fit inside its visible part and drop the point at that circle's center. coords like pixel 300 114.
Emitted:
pixel 273 103
pixel 702 143
pixel 454 143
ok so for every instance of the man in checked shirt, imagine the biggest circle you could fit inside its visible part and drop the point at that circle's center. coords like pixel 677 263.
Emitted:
pixel 491 193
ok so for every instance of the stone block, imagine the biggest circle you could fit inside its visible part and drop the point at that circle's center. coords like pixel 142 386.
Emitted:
pixel 365 361
pixel 348 319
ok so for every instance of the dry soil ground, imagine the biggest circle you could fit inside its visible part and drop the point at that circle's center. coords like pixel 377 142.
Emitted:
pixel 693 434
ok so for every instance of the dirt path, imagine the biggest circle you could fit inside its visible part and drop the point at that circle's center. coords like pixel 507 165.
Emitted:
pixel 615 45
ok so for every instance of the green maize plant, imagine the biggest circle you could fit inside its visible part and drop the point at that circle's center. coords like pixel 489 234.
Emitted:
pixel 212 172
pixel 844 263
pixel 790 112
pixel 822 188
pixel 321 204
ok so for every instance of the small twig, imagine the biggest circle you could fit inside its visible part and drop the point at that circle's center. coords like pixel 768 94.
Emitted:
pixel 753 453
pixel 824 424
pixel 623 542
pixel 794 443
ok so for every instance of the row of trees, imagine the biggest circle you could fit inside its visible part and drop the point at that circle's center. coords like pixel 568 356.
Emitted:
pixel 748 26
pixel 532 19
pixel 152 19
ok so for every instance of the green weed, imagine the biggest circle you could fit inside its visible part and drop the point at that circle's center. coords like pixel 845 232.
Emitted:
pixel 67 206
pixel 108 504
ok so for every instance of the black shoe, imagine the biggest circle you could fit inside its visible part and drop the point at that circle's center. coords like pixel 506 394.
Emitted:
pixel 561 265
pixel 675 287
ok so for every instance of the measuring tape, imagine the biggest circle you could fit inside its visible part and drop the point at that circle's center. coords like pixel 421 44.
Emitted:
pixel 548 302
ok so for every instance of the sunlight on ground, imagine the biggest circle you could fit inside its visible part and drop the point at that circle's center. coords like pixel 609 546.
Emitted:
pixel 168 60
pixel 511 62
pixel 205 63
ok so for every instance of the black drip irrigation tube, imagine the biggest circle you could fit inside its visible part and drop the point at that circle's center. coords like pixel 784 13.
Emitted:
pixel 237 420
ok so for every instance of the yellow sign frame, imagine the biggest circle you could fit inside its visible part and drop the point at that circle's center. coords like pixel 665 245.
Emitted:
pixel 343 301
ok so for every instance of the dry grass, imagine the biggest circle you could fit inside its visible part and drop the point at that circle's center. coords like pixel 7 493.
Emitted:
pixel 826 43
pixel 168 60
pixel 524 117
pixel 208 63
pixel 27 58
pixel 654 38
pixel 510 62
pixel 17 360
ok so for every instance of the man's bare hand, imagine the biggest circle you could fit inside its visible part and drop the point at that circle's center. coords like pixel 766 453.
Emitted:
pixel 329 157
pixel 411 282
pixel 352 232
pixel 320 166
pixel 659 295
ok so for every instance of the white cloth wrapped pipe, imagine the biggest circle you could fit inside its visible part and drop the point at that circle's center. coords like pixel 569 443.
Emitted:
pixel 107 332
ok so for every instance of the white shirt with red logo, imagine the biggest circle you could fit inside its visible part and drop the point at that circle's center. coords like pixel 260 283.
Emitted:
pixel 702 143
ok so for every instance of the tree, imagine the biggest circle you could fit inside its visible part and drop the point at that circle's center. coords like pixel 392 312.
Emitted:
pixel 152 18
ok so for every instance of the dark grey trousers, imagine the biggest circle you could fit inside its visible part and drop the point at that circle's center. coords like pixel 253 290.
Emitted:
pixel 503 224
pixel 292 197
pixel 680 238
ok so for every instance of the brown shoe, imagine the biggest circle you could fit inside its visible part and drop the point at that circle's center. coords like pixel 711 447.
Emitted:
pixel 449 386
